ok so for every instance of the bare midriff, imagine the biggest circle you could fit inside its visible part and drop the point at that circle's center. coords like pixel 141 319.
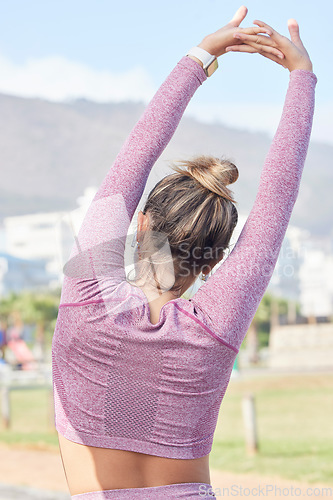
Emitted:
pixel 93 469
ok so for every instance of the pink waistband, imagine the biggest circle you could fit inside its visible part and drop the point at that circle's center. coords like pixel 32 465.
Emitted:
pixel 169 491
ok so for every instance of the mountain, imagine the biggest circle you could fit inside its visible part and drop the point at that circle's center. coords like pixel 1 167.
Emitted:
pixel 49 153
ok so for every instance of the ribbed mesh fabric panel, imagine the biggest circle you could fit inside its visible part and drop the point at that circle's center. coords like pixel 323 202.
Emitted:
pixel 131 396
pixel 59 394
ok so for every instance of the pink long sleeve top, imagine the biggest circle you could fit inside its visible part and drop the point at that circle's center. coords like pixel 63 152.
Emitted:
pixel 122 382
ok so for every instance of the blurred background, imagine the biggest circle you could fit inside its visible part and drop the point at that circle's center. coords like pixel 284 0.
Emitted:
pixel 75 76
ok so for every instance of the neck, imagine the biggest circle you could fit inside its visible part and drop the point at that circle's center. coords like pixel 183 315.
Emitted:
pixel 156 297
pixel 152 292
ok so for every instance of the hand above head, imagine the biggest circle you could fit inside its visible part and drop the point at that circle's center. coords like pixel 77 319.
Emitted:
pixel 216 43
pixel 294 54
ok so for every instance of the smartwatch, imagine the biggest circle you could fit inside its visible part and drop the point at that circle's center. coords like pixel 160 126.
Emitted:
pixel 209 62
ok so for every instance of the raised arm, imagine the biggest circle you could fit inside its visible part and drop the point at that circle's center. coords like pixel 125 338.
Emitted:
pixel 231 296
pixel 99 248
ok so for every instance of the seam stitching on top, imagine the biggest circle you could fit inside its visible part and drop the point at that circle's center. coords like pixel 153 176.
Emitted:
pixel 207 329
pixel 87 302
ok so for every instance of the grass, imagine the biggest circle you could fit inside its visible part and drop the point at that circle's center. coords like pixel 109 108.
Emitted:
pixel 31 420
pixel 294 420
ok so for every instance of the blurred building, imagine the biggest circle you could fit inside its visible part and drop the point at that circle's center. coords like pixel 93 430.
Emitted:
pixel 316 281
pixel 2 238
pixel 307 346
pixel 304 273
pixel 34 236
pixel 46 237
pixel 285 281
pixel 22 274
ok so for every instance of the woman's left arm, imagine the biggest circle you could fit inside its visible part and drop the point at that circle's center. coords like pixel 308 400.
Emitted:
pixel 98 251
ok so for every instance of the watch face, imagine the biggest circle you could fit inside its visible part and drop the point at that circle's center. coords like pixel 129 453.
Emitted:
pixel 212 67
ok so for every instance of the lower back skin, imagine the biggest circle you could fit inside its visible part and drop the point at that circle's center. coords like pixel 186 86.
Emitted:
pixel 92 469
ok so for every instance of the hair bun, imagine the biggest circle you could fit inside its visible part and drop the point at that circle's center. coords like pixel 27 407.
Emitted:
pixel 212 173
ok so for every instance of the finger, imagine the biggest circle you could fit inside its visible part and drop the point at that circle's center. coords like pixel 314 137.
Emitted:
pixel 252 50
pixel 241 48
pixel 274 34
pixel 294 32
pixel 262 24
pixel 265 49
pixel 272 57
pixel 254 31
pixel 239 16
pixel 257 41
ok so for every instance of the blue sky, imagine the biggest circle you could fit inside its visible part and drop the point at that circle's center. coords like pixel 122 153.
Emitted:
pixel 107 50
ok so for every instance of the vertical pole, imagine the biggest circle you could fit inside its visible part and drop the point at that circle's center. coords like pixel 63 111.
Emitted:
pixel 51 409
pixel 252 343
pixel 250 424
pixel 291 312
pixel 274 313
pixel 312 320
pixel 5 406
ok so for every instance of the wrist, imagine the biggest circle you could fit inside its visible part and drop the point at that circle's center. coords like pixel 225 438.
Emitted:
pixel 209 45
pixel 206 60
pixel 302 68
pixel 306 65
pixel 196 60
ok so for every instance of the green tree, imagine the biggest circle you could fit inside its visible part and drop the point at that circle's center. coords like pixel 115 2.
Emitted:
pixel 31 308
pixel 268 312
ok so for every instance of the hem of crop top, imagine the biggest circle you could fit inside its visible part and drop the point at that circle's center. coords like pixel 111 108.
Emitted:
pixel 121 443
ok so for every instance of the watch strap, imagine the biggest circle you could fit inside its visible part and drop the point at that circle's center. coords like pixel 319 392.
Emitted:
pixel 209 61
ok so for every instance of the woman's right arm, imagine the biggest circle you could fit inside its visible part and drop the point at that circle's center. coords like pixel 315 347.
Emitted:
pixel 232 295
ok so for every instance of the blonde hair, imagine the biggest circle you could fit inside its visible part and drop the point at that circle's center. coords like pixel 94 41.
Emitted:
pixel 194 212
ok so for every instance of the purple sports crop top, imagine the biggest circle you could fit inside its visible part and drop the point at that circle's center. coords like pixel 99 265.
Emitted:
pixel 122 382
